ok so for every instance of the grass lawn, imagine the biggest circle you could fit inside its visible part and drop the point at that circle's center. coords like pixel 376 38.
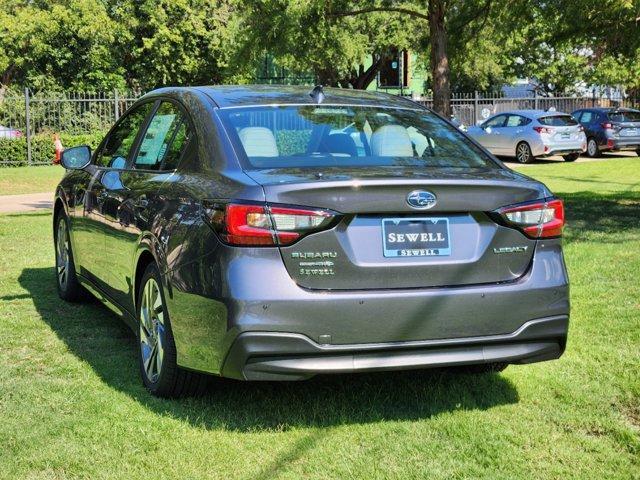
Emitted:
pixel 72 406
pixel 14 181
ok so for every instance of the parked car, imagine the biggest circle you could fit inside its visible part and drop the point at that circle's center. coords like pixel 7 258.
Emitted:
pixel 458 123
pixel 530 134
pixel 9 133
pixel 610 129
pixel 241 232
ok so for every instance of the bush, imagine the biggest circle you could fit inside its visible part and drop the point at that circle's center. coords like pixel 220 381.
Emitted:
pixel 13 152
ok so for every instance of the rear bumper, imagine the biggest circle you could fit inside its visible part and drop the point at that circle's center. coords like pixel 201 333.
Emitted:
pixel 632 143
pixel 565 148
pixel 259 302
pixel 288 356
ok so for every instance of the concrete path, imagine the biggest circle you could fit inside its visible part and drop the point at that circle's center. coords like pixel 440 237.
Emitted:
pixel 31 202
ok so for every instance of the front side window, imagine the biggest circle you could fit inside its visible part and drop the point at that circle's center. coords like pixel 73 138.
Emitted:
pixel 164 140
pixel 353 136
pixel 558 121
pixel 120 142
pixel 495 122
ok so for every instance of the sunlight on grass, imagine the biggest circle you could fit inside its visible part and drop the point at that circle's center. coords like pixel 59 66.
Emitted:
pixel 72 405
pixel 18 180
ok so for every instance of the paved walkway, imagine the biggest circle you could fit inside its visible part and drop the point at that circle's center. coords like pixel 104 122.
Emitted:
pixel 31 202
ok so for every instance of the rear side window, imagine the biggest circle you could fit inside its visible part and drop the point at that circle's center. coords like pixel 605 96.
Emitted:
pixel 120 142
pixel 626 116
pixel 588 117
pixel 354 136
pixel 517 121
pixel 164 140
pixel 558 121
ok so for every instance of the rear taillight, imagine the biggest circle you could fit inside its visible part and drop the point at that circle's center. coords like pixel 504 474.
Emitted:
pixel 255 224
pixel 536 220
pixel 580 128
pixel 607 126
pixel 546 130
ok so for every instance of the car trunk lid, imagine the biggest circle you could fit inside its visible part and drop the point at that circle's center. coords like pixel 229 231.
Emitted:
pixel 454 242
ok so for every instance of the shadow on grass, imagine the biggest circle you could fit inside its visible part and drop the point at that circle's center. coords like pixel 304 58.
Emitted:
pixel 96 336
pixel 608 216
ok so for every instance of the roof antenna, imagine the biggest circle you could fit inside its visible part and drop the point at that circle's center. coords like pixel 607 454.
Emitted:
pixel 317 94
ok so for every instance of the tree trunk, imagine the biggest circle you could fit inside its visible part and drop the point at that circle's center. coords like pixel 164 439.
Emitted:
pixel 440 72
pixel 362 78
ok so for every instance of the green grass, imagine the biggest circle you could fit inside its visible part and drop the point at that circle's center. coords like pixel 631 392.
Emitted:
pixel 18 180
pixel 72 406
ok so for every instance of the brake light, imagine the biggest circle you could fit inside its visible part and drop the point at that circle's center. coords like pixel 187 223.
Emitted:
pixel 536 220
pixel 258 224
pixel 607 125
pixel 547 130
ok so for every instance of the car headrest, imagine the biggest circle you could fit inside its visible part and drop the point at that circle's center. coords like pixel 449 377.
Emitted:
pixel 391 141
pixel 258 142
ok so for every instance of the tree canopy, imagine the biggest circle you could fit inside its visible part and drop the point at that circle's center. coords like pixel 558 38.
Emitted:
pixel 464 45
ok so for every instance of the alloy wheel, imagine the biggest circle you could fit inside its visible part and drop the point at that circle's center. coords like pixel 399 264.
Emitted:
pixel 592 148
pixel 152 330
pixel 62 254
pixel 523 154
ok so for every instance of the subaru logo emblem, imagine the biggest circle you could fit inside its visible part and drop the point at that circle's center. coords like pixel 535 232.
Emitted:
pixel 421 199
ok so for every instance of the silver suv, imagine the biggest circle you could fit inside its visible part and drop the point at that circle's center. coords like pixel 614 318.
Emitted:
pixel 527 134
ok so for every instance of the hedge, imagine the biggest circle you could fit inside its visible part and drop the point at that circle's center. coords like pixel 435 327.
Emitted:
pixel 13 152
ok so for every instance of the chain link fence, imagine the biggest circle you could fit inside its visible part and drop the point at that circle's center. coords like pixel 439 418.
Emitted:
pixel 29 122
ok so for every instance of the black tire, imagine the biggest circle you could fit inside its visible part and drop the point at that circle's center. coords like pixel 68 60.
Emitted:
pixel 524 153
pixel 638 152
pixel 69 288
pixel 164 378
pixel 572 157
pixel 593 149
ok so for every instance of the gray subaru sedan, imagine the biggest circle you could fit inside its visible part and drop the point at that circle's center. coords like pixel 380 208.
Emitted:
pixel 272 233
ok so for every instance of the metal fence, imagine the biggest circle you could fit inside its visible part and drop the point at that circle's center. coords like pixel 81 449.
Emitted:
pixel 28 121
pixel 471 108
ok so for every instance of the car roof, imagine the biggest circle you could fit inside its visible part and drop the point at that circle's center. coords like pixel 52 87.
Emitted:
pixel 610 109
pixel 533 113
pixel 225 96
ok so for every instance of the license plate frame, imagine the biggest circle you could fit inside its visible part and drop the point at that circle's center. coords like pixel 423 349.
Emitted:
pixel 433 245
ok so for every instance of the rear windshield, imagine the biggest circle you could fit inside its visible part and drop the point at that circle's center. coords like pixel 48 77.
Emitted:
pixel 624 116
pixel 350 136
pixel 558 120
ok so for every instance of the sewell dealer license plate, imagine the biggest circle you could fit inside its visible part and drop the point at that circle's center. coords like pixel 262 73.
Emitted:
pixel 415 237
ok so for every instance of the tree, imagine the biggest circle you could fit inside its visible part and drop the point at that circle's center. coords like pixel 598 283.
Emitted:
pixel 65 44
pixel 171 42
pixel 438 14
pixel 303 37
pixel 564 43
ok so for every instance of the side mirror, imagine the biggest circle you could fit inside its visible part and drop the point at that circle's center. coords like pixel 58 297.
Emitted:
pixel 76 158
pixel 487 129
